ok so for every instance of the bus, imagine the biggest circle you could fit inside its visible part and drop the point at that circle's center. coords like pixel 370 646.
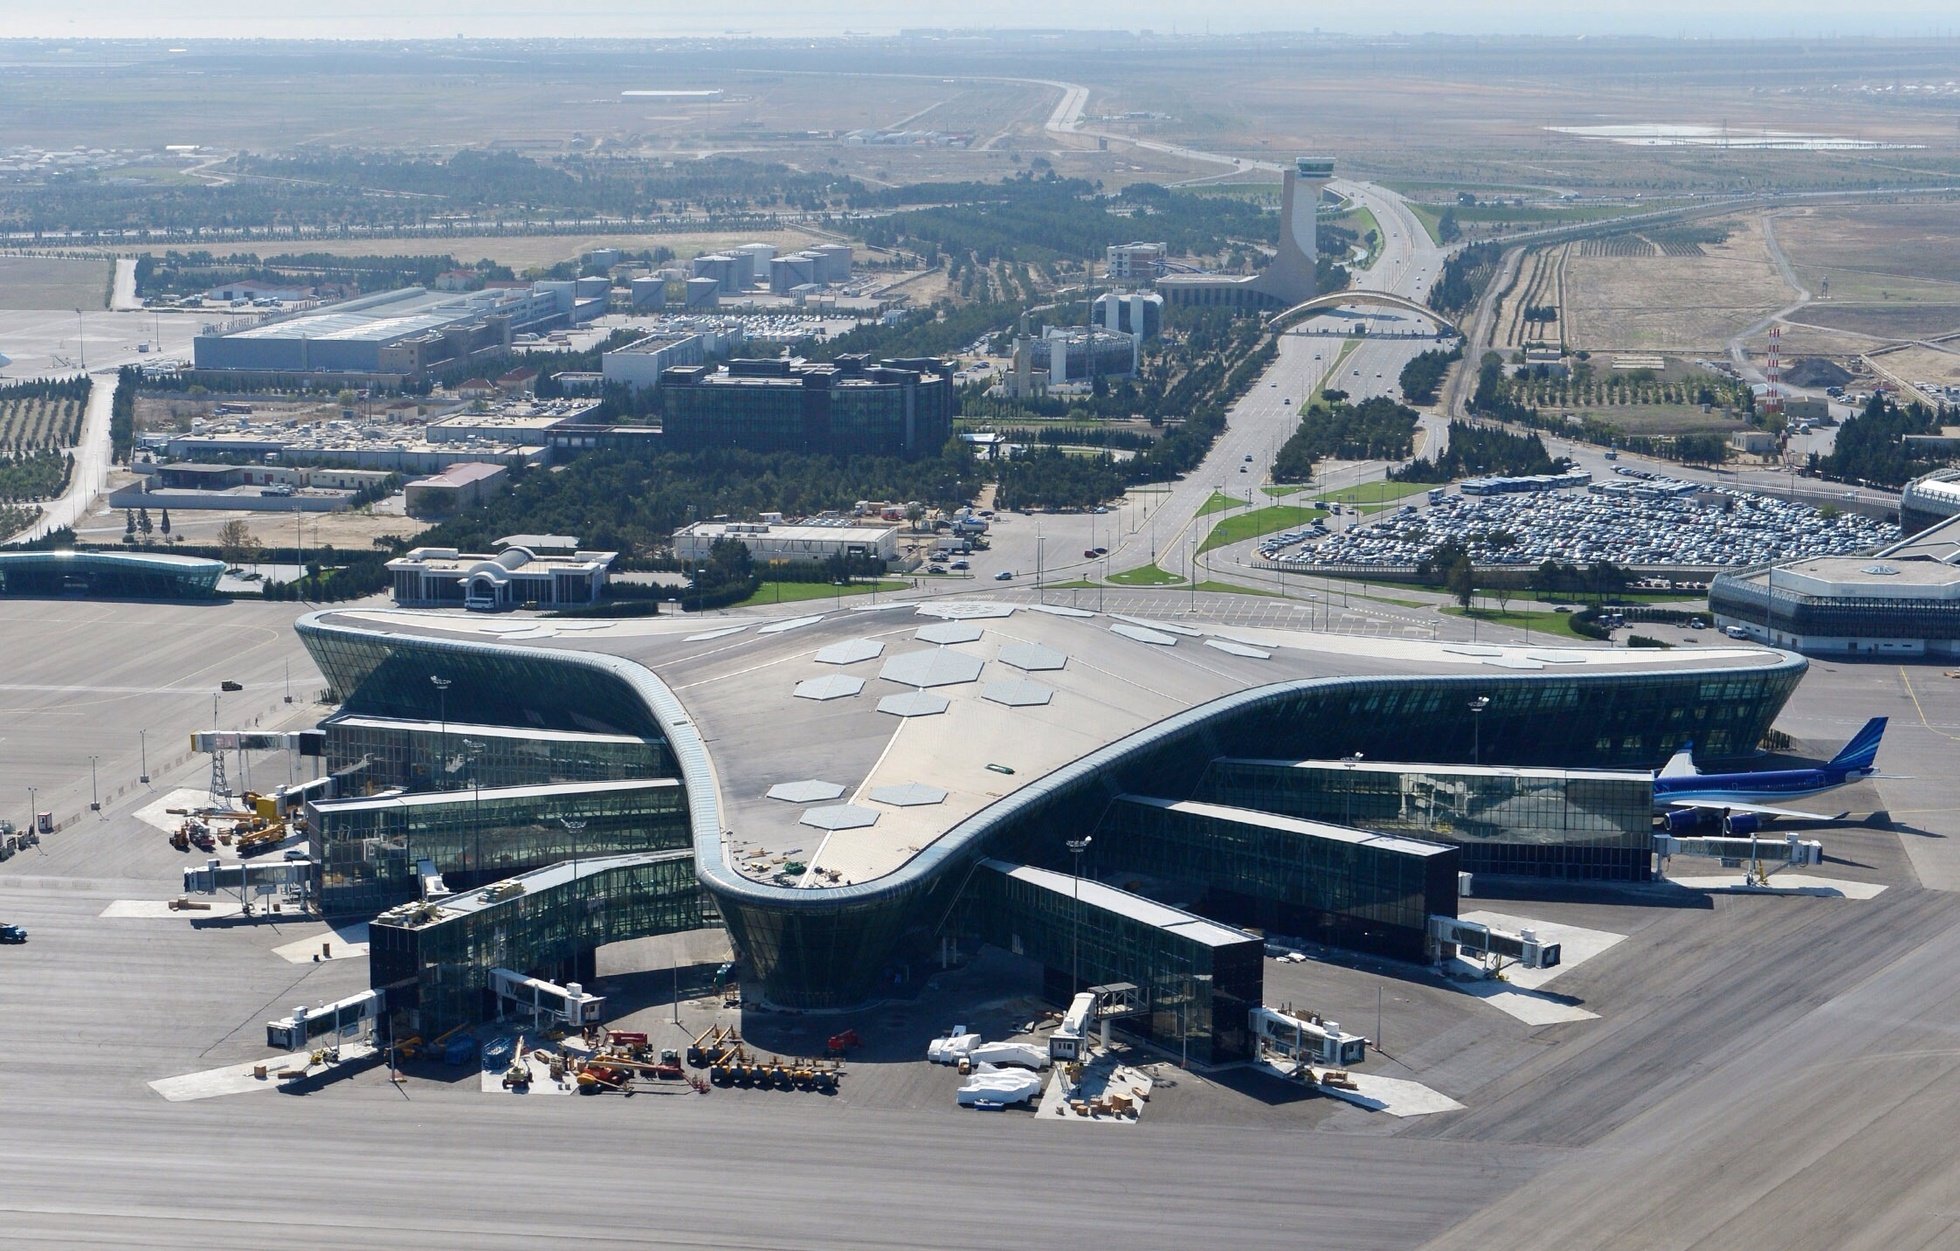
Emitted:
pixel 1436 495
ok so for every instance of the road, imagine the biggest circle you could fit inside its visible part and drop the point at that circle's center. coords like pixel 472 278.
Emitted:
pixel 91 469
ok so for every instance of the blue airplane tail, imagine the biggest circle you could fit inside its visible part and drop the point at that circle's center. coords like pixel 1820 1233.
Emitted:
pixel 1862 751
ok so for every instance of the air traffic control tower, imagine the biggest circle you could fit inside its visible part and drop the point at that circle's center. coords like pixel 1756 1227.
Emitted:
pixel 1289 280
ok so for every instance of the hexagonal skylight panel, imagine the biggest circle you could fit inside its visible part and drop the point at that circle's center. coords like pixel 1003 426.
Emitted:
pixel 850 652
pixel 949 632
pixel 909 794
pixel 934 668
pixel 807 791
pixel 1156 638
pixel 1032 657
pixel 836 686
pixel 914 704
pixel 840 817
pixel 1018 694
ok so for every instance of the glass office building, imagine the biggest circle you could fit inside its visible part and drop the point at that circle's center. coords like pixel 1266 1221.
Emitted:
pixel 1561 823
pixel 367 754
pixel 1195 979
pixel 368 849
pixel 846 406
pixel 434 959
pixel 1304 879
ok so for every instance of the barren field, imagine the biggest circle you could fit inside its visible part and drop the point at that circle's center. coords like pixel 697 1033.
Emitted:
pixel 53 282
pixel 1925 364
pixel 1680 304
pixel 1888 271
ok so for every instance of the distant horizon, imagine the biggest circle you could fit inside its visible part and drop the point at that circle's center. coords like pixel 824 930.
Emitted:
pixel 367 20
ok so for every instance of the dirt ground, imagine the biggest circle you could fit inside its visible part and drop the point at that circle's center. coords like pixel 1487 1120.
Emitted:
pixel 37 282
pixel 1924 364
pixel 1687 305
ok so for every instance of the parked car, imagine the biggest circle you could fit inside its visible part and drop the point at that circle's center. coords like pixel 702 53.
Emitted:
pixel 1003 576
pixel 962 564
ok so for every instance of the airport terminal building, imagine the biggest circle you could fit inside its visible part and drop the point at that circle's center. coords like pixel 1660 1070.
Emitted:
pixel 1902 602
pixel 848 860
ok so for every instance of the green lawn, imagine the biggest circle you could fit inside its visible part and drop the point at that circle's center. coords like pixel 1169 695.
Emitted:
pixel 1431 218
pixel 1550 623
pixel 1220 503
pixel 797 592
pixel 1282 490
pixel 1267 520
pixel 1145 575
pixel 1372 493
pixel 1361 221
pixel 1078 584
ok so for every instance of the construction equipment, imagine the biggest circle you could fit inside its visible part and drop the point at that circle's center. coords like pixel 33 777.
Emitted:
pixel 714 1043
pixel 594 1077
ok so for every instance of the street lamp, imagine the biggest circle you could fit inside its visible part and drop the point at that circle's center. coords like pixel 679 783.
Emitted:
pixel 442 686
pixel 1076 847
pixel 94 799
pixel 1477 707
pixel 473 751
pixel 143 743
pixel 33 812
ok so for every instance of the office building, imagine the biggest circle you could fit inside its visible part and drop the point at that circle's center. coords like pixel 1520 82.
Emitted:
pixel 843 407
pixel 462 485
pixel 1139 313
pixel 639 363
pixel 802 542
pixel 1134 262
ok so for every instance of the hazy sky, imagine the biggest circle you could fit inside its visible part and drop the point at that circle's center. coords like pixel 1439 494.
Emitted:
pixel 367 19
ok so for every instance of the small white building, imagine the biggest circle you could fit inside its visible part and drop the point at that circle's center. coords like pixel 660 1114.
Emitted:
pixel 775 540
pixel 517 577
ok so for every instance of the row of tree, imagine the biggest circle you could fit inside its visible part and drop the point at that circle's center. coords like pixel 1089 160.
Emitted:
pixel 1425 372
pixel 1478 450
pixel 1375 429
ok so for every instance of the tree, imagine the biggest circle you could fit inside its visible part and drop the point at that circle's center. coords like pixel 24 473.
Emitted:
pixel 129 526
pixel 1461 580
pixel 143 524
pixel 166 524
pixel 236 543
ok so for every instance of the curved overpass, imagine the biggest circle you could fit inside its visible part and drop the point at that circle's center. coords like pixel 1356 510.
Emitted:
pixel 840 945
pixel 1379 299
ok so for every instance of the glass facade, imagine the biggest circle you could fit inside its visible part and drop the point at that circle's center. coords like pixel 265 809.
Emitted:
pixel 1840 623
pixel 845 945
pixel 367 849
pixel 435 961
pixel 135 575
pixel 367 754
pixel 389 676
pixel 1322 883
pixel 843 407
pixel 1535 822
pixel 1196 980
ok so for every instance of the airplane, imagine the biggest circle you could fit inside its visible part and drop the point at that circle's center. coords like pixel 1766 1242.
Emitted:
pixel 1685 797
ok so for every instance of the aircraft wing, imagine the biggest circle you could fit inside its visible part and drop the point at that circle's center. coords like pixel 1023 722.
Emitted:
pixel 1761 810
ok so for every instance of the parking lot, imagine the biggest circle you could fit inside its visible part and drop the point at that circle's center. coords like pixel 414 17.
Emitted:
pixel 1708 527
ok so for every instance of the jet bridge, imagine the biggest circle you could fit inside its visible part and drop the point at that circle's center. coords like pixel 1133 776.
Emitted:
pixel 1489 944
pixel 1305 1040
pixel 336 1020
pixel 246 879
pixel 546 1003
pixel 1734 852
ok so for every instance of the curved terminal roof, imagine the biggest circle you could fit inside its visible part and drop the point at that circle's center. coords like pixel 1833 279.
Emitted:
pixel 196 571
pixel 991 759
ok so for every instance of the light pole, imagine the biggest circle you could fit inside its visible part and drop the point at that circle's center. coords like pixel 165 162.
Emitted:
pixel 1477 707
pixel 442 685
pixel 473 750
pixel 94 799
pixel 143 742
pixel 33 813
pixel 1076 847
pixel 574 828
pixel 1350 762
